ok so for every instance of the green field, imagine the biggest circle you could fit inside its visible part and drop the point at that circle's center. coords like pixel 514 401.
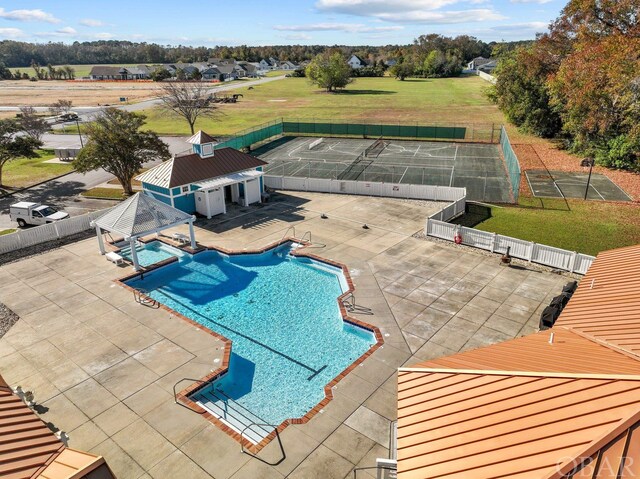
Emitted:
pixel 81 70
pixel 575 225
pixel 446 100
pixel 28 171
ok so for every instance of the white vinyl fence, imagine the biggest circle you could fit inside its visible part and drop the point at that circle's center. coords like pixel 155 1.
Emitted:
pixel 368 188
pixel 52 231
pixel 487 77
pixel 526 250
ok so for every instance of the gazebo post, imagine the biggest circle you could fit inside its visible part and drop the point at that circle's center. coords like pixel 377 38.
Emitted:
pixel 192 233
pixel 100 240
pixel 134 253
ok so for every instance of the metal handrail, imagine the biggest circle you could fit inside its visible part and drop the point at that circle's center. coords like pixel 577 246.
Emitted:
pixel 355 471
pixel 305 235
pixel 286 232
pixel 175 394
pixel 141 296
pixel 275 428
pixel 346 299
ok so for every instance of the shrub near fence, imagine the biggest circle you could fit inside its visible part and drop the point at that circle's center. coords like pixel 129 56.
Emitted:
pixel 526 250
pixel 49 232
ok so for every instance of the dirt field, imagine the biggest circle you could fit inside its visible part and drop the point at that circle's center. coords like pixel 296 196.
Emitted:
pixel 82 93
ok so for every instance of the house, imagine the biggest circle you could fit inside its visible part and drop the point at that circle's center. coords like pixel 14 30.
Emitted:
pixel 289 66
pixel 488 67
pixel 250 69
pixel 390 62
pixel 212 74
pixel 101 72
pixel 207 179
pixel 557 404
pixel 478 62
pixel 31 450
pixel 356 62
pixel 266 65
pixel 228 72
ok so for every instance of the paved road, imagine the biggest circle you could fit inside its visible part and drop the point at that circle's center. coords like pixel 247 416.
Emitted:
pixel 64 192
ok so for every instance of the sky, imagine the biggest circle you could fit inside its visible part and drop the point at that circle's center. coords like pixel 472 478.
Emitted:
pixel 273 22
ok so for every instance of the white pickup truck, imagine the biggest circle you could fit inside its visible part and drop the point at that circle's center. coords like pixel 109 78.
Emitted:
pixel 27 213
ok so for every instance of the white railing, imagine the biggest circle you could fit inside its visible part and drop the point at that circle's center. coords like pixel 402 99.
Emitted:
pixel 49 232
pixel 369 188
pixel 526 250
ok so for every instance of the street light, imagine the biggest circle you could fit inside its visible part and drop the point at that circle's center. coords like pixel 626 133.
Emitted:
pixel 588 162
pixel 79 134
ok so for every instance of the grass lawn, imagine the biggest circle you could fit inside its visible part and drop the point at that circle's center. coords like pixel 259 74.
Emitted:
pixel 446 101
pixel 28 171
pixel 276 73
pixel 107 193
pixel 575 225
pixel 7 232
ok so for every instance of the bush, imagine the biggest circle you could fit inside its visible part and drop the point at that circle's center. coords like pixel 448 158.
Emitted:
pixel 620 152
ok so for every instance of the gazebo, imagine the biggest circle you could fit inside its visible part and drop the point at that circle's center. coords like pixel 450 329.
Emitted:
pixel 140 215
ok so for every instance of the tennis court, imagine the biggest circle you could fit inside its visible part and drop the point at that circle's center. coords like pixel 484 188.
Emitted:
pixel 478 167
pixel 572 184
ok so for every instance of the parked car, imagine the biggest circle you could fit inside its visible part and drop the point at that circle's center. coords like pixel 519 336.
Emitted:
pixel 27 213
pixel 71 116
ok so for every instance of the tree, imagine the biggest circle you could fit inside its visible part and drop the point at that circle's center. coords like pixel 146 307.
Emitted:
pixel 160 74
pixel 33 125
pixel 116 144
pixel 189 101
pixel 13 145
pixel 329 71
pixel 60 107
pixel 402 70
pixel 196 75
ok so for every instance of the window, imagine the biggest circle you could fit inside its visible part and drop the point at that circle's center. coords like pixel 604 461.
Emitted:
pixel 185 189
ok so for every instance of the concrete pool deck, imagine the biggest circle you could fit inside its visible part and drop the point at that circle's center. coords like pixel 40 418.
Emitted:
pixel 102 367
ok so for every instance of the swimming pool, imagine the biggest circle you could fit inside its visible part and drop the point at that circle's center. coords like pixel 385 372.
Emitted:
pixel 281 312
pixel 152 252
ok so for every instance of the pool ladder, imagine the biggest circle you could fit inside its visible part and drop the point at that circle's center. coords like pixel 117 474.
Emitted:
pixel 141 296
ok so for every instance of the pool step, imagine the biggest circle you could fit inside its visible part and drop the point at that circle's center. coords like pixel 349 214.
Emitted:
pixel 233 414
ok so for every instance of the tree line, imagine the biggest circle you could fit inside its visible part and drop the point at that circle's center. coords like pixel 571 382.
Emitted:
pixel 16 54
pixel 580 82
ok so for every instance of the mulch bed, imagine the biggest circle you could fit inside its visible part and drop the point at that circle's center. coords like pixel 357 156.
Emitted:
pixel 546 156
pixel 7 319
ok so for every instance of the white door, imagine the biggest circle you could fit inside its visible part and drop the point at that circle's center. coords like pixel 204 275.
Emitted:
pixel 216 201
pixel 201 203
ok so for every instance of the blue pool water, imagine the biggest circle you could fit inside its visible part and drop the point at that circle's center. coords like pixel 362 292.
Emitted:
pixel 282 314
pixel 152 252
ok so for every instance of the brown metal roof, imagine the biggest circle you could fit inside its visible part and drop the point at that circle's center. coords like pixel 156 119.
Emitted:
pixel 606 304
pixel 454 424
pixel 26 443
pixel 531 408
pixel 74 464
pixel 570 352
pixel 192 168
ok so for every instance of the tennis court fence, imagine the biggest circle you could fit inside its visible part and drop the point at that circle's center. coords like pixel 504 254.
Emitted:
pixel 513 165
pixel 463 132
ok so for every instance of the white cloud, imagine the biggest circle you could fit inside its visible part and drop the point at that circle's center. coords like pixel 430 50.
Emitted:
pixel 11 33
pixel 28 16
pixel 62 32
pixel 90 22
pixel 412 11
pixel 103 36
pixel 374 7
pixel 336 27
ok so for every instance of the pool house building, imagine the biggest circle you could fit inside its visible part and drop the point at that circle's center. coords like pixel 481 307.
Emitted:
pixel 206 179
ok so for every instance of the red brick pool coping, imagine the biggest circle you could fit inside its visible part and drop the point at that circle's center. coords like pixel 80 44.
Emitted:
pixel 183 396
